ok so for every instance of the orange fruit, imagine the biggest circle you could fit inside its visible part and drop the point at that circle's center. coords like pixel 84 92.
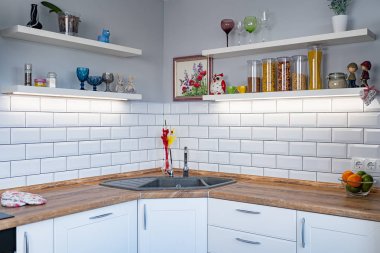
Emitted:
pixel 346 174
pixel 354 180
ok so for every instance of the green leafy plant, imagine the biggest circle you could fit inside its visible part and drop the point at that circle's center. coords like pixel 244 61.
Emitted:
pixel 339 6
pixel 52 7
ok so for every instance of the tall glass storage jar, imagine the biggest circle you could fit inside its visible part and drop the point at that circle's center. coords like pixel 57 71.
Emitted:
pixel 299 72
pixel 254 75
pixel 315 56
pixel 269 75
pixel 283 74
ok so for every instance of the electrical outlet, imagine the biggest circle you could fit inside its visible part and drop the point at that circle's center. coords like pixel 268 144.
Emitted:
pixel 358 164
pixel 370 165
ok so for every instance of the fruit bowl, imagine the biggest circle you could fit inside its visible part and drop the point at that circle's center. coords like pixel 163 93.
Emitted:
pixel 357 189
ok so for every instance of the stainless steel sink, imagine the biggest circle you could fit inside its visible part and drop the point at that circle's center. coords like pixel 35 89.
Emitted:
pixel 168 183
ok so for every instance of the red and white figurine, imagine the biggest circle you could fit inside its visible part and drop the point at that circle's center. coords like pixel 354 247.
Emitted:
pixel 218 85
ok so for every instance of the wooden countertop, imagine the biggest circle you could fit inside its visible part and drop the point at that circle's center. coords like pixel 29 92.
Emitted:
pixel 85 194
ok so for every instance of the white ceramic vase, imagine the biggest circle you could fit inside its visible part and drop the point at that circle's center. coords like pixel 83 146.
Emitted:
pixel 340 23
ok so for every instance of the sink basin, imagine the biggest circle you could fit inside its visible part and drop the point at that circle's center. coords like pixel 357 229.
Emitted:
pixel 168 183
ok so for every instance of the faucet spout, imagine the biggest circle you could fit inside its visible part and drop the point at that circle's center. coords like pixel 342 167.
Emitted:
pixel 185 162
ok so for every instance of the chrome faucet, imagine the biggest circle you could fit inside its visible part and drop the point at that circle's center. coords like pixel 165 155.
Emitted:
pixel 185 160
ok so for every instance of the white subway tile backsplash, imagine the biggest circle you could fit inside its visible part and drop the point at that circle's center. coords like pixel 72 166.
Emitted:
pixel 139 107
pixel 341 165
pixel 367 120
pixel 264 106
pixel 25 135
pixel 139 156
pixel 209 144
pixel 12 182
pixel 12 119
pixel 332 150
pixel 317 134
pixel 219 157
pixel 219 132
pixel 219 107
pixel 155 154
pixel 303 175
pixel 328 177
pixel 129 144
pixel 252 119
pixel 129 119
pixel 53 134
pixel 25 103
pixel 40 150
pixel 229 119
pixel 5 169
pixel 191 143
pixel 372 136
pixel 171 120
pixel 229 145
pixel 189 120
pixel 374 106
pixel 112 120
pixel 260 160
pixel 302 148
pixel 139 132
pixel 347 104
pixel 66 119
pixel 66 175
pixel 53 164
pixel 5 136
pixel 317 105
pixel 100 133
pixel 147 120
pixel 276 173
pixel 198 132
pixel 303 120
pixel 155 131
pixel 78 105
pixel 53 104
pixel 110 146
pixel 317 164
pixel 229 169
pixel 101 106
pixel 120 158
pixel 347 135
pixel 78 162
pixel 101 160
pixel 39 119
pixel 276 119
pixel 255 147
pixel 198 156
pixel 78 134
pixel 289 105
pixel 130 167
pixel 155 108
pixel 264 133
pixel 208 120
pixel 360 150
pixel 289 162
pixel 198 107
pixel 25 168
pixel 89 147
pixel 332 119
pixel 110 170
pixel 120 107
pixel 94 172
pixel 179 108
pixel 5 103
pixel 147 143
pixel 209 167
pixel 66 149
pixel 242 159
pixel 242 133
pixel 240 106
pixel 289 134
pixel 276 147
pixel 39 179
pixel 12 152
pixel 89 119
pixel 252 171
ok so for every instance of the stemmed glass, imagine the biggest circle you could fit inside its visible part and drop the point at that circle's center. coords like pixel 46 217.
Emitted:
pixel 82 74
pixel 227 25
pixel 107 78
pixel 264 24
pixel 250 25
pixel 94 81
pixel 240 29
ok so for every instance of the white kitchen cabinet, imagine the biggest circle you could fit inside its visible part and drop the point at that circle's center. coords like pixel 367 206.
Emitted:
pixel 173 225
pixel 331 234
pixel 108 229
pixel 35 237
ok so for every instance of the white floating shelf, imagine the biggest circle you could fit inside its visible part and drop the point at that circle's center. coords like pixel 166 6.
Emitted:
pixel 349 92
pixel 68 93
pixel 329 39
pixel 62 40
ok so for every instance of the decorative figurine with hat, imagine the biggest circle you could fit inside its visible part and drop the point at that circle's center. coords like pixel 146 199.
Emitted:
pixel 366 67
pixel 352 68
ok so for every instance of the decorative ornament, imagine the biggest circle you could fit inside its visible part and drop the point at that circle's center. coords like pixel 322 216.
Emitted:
pixel 120 86
pixel 131 88
pixel 218 85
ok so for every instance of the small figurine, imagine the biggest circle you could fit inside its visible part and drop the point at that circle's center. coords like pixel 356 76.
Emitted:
pixel 366 66
pixel 218 86
pixel 105 36
pixel 352 68
pixel 34 18
pixel 130 85
pixel 120 86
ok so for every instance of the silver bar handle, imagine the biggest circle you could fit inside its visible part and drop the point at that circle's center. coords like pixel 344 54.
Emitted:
pixel 303 232
pixel 100 216
pixel 246 211
pixel 144 217
pixel 247 241
pixel 26 242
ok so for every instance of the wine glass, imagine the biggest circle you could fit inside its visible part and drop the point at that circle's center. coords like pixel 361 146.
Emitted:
pixel 94 81
pixel 108 79
pixel 250 25
pixel 240 29
pixel 227 25
pixel 82 74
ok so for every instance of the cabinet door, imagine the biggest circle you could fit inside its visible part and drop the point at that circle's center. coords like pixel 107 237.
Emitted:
pixel 173 226
pixel 35 237
pixel 330 234
pixel 109 229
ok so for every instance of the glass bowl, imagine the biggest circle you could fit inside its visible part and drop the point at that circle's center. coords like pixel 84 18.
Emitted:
pixel 360 190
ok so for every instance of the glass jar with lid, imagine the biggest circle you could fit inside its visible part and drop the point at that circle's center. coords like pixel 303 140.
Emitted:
pixel 269 75
pixel 337 80
pixel 283 74
pixel 299 72
pixel 254 76
pixel 52 80
pixel 315 56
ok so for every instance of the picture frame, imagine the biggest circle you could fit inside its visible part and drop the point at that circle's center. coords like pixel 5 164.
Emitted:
pixel 192 77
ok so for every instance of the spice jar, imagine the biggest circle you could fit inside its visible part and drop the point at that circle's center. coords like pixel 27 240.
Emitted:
pixel 299 72
pixel 269 75
pixel 283 74
pixel 337 80
pixel 254 76
pixel 40 82
pixel 28 74
pixel 52 80
pixel 315 55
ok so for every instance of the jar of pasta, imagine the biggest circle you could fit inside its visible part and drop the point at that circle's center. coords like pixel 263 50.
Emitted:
pixel 299 72
pixel 315 55
pixel 269 75
pixel 254 76
pixel 283 74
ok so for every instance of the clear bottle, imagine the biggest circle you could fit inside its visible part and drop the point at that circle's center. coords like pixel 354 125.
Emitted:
pixel 283 74
pixel 299 72
pixel 254 76
pixel 52 80
pixel 315 56
pixel 28 74
pixel 269 75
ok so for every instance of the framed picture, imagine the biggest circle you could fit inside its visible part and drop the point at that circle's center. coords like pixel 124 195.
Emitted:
pixel 191 77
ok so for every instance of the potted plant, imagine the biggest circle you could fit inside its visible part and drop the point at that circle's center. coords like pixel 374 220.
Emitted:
pixel 68 22
pixel 340 19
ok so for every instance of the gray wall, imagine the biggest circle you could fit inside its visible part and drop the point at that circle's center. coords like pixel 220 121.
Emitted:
pixel 191 26
pixel 135 23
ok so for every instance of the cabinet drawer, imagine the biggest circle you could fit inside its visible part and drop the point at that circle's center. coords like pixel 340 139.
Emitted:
pixel 263 220
pixel 221 240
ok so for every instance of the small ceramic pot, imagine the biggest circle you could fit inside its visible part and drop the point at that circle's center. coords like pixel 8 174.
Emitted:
pixel 340 23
